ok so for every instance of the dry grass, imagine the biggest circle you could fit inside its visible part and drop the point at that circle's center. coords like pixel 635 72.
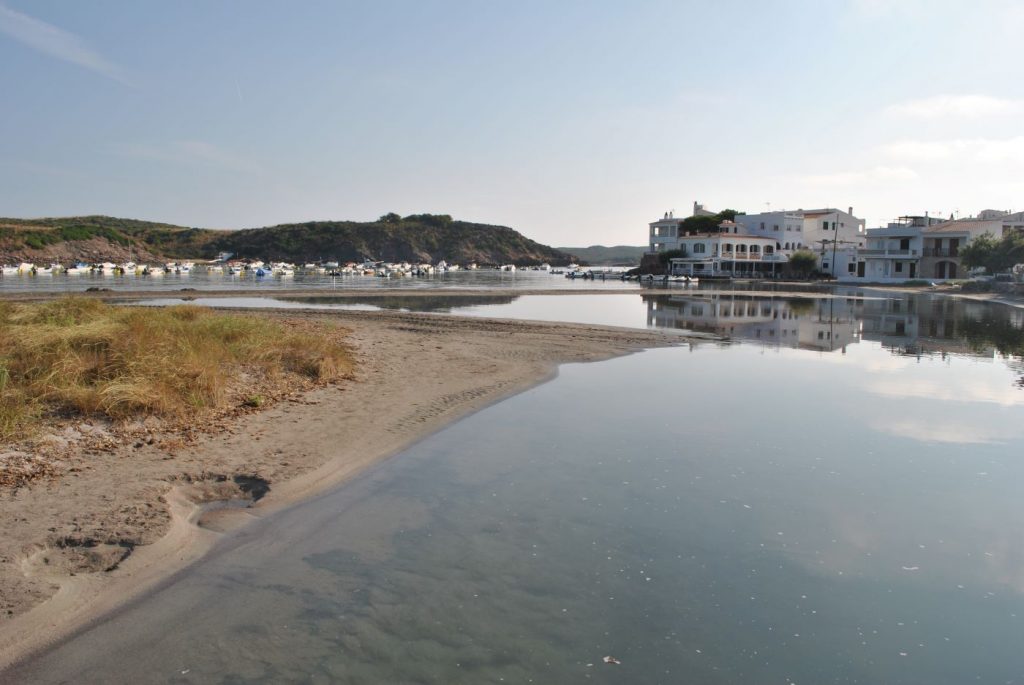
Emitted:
pixel 81 357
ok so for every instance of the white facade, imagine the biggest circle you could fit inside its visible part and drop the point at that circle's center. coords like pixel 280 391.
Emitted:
pixel 786 228
pixel 728 253
pixel 893 254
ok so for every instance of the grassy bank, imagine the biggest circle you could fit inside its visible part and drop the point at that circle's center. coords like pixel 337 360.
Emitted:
pixel 77 357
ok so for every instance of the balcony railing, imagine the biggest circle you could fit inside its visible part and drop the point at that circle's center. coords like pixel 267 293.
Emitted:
pixel 941 252
pixel 886 253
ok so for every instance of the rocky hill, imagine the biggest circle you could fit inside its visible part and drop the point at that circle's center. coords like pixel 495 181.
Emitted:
pixel 415 238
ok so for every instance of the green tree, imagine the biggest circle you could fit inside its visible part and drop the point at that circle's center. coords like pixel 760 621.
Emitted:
pixel 708 223
pixel 803 262
pixel 994 254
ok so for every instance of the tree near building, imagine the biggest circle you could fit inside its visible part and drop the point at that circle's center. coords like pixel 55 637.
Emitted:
pixel 996 255
pixel 802 263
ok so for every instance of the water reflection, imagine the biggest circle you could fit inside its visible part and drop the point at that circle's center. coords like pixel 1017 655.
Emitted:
pixel 911 325
pixel 424 303
pixel 733 535
pixel 815 324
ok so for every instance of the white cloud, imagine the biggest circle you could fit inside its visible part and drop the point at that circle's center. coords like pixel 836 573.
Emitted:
pixel 963 150
pixel 956 106
pixel 194 152
pixel 882 8
pixel 878 174
pixel 56 42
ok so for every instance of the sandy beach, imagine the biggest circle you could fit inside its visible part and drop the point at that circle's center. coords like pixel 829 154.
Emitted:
pixel 113 522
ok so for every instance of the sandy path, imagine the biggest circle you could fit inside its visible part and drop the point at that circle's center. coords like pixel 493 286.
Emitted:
pixel 118 521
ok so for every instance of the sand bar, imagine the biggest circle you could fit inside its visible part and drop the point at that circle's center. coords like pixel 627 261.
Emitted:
pixel 118 521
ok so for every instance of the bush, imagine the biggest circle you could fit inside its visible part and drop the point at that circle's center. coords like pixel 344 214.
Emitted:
pixel 82 357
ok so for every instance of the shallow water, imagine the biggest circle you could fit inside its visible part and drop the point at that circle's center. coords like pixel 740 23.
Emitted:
pixel 913 323
pixel 716 513
pixel 202 281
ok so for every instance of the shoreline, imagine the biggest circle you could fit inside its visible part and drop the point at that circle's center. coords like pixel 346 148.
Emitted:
pixel 416 374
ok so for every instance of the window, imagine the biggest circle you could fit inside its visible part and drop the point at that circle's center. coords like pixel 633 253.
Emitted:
pixel 755 248
pixel 727 247
pixel 899 267
pixel 824 266
pixel 775 227
pixel 698 248
pixel 824 225
pixel 851 267
pixel 768 249
pixel 762 225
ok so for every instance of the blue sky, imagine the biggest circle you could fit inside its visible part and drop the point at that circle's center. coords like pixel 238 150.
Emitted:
pixel 574 122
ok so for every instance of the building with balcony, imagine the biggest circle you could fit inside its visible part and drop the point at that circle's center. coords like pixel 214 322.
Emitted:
pixel 940 256
pixel 893 253
pixel 726 254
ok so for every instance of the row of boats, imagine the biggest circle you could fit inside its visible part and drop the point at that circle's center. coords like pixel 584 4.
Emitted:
pixel 255 268
pixel 82 269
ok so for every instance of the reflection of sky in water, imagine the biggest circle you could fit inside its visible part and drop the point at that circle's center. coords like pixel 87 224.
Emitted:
pixel 716 514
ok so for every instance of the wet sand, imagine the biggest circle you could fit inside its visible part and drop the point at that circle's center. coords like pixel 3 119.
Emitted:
pixel 118 520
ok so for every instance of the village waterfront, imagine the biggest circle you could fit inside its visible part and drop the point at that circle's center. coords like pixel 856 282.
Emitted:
pixel 826 494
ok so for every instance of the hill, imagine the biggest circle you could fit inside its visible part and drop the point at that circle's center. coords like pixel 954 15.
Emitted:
pixel 415 238
pixel 599 255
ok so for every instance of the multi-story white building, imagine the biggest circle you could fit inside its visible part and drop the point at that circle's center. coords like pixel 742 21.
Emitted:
pixel 664 233
pixel 787 228
pixel 728 253
pixel 893 253
pixel 836 236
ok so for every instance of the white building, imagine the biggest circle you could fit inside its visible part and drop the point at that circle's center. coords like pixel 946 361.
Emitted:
pixel 787 228
pixel 893 253
pixel 831 234
pixel 664 233
pixel 729 253
pixel 836 236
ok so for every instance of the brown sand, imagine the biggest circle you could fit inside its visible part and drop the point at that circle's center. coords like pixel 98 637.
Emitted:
pixel 115 522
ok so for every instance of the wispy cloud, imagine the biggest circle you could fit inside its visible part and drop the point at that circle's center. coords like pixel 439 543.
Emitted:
pixel 956 107
pixel 878 174
pixel 56 42
pixel 192 152
pixel 964 150
pixel 875 9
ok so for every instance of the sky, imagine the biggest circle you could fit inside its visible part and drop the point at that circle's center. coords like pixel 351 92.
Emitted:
pixel 575 122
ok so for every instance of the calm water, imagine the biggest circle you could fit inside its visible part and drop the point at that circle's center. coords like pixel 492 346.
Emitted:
pixel 912 323
pixel 199 280
pixel 794 509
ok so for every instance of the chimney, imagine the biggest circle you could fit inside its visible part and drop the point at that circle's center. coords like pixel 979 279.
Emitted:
pixel 850 212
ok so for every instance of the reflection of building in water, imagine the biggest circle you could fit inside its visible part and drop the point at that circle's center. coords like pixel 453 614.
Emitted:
pixel 817 324
pixel 929 325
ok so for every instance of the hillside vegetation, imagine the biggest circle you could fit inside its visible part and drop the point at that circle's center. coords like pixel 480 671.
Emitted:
pixel 599 255
pixel 415 238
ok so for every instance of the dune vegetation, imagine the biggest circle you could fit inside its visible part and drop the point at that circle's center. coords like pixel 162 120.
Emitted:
pixel 78 357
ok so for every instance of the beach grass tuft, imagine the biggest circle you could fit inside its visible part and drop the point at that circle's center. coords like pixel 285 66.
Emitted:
pixel 82 357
